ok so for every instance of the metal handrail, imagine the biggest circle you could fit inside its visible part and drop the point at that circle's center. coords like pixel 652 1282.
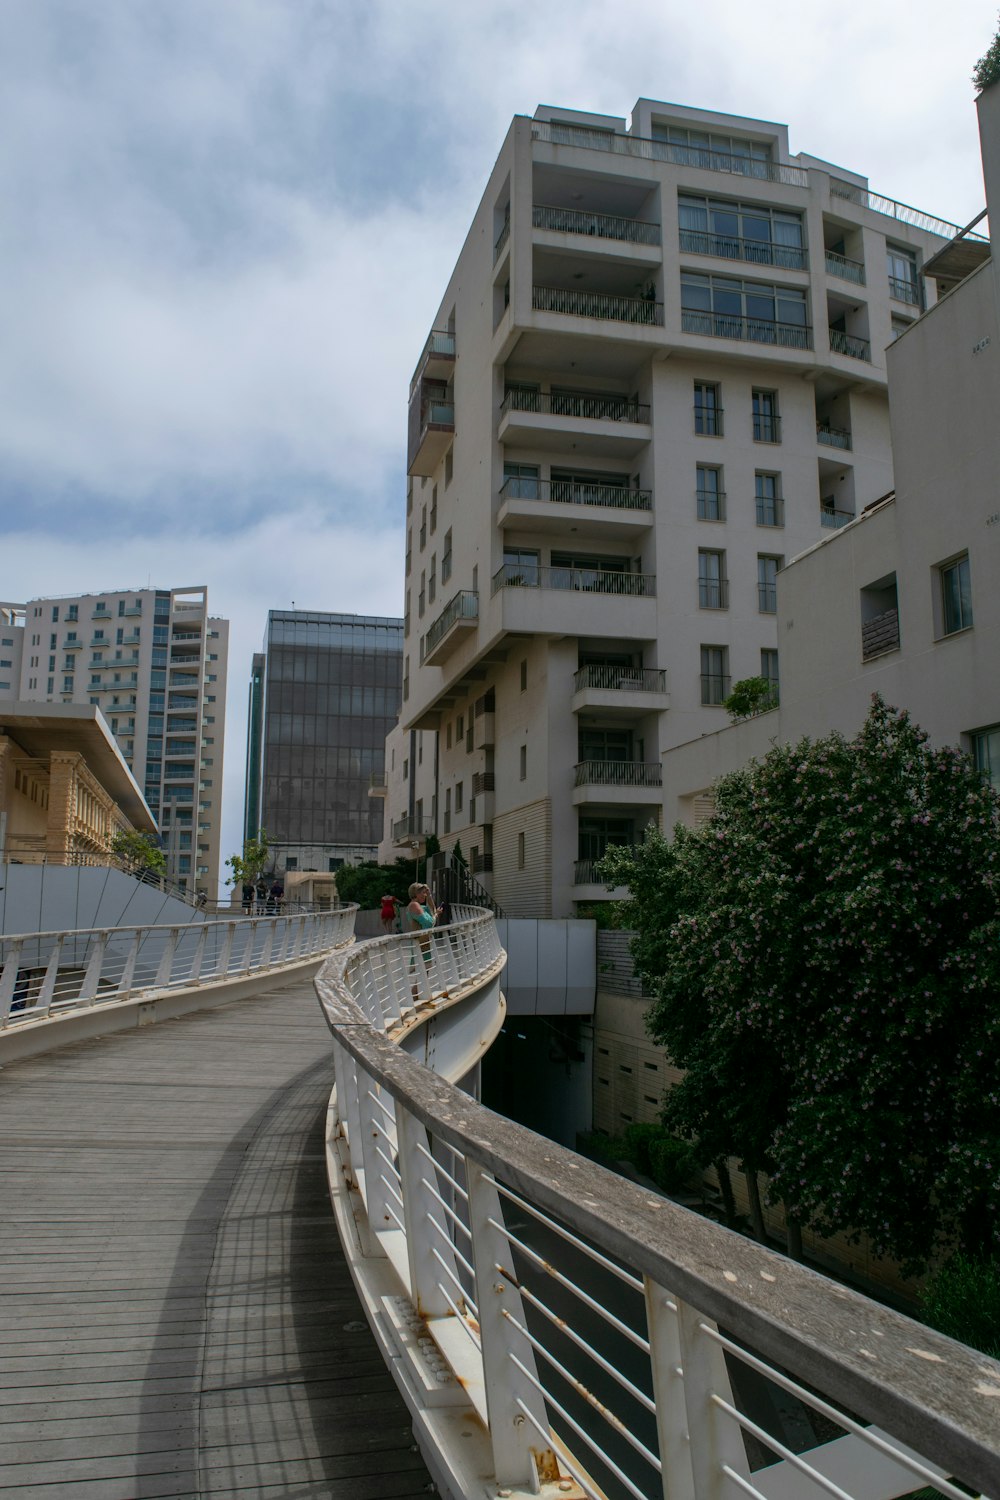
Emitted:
pixel 571 492
pixel 750 330
pixel 618 773
pixel 594 580
pixel 610 305
pixel 849 344
pixel 526 1271
pixel 44 974
pixel 708 500
pixel 591 405
pixel 412 827
pixel 770 510
pixel 502 239
pixel 440 343
pixel 916 217
pixel 904 291
pixel 833 437
pixel 847 270
pixel 463 606
pixel 620 679
pixel 832 519
pixel 766 429
pixel 754 252
pixel 602 226
pixel 713 593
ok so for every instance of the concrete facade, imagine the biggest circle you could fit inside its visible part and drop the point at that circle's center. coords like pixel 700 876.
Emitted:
pixel 904 601
pixel 657 372
pixel 154 661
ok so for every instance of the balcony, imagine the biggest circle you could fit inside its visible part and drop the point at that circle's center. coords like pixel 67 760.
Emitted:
pixel 626 692
pixel 484 731
pixel 604 510
pixel 483 781
pixel 501 242
pixel 437 358
pixel 411 829
pixel 880 634
pixel 459 616
pixel 604 423
pixel 564 133
pixel 832 437
pixel 576 601
pixel 72 645
pixel 850 344
pixel 846 270
pixel 617 782
pixel 133 610
pixel 605 306
pixel 377 786
pixel 599 226
pixel 482 864
pixel 100 613
pixel 833 519
pixel 431 426
pixel 753 252
pixel 901 290
pixel 746 330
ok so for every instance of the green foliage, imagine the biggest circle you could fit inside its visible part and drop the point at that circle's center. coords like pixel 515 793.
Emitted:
pixel 962 1300
pixel 368 882
pixel 432 845
pixel 457 857
pixel 825 957
pixel 604 913
pixel 987 69
pixel 751 696
pixel 638 1140
pixel 668 1161
pixel 672 1163
pixel 250 866
pixel 137 851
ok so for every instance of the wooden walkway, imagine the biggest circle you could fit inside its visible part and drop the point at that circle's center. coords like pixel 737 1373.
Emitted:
pixel 176 1316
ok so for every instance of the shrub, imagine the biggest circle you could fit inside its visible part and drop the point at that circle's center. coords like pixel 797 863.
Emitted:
pixel 639 1140
pixel 962 1299
pixel 672 1163
pixel 987 69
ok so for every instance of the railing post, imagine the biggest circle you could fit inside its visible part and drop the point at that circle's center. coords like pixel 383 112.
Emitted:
pixel 92 974
pixel 8 978
pixel 715 1438
pixel 419 1205
pixel 667 1368
pixel 166 964
pixel 47 990
pixel 345 1072
pixel 265 956
pixel 199 955
pixel 128 972
pixel 246 963
pixel 372 1136
pixel 225 956
pixel 508 1361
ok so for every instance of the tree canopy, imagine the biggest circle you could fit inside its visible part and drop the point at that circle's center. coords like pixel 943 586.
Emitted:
pixel 249 866
pixel 824 953
pixel 368 882
pixel 137 852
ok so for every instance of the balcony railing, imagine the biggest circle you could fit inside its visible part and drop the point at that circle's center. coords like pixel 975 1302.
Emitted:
pixel 621 679
pixel 880 634
pixel 440 345
pixel 767 598
pixel 904 291
pixel 563 133
pixel 711 505
pixel 581 580
pixel 766 429
pixel 749 330
pixel 714 688
pixel 464 606
pixel 602 226
pixel 902 212
pixel 482 864
pixel 502 239
pixel 618 773
pixel 847 270
pixel 589 405
pixel 483 781
pixel 832 437
pixel 770 510
pixel 412 827
pixel 754 252
pixel 713 593
pixel 569 492
pixel 832 519
pixel 850 344
pixel 608 305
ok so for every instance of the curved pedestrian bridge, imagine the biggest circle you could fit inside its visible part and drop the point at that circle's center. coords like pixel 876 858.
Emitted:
pixel 177 1316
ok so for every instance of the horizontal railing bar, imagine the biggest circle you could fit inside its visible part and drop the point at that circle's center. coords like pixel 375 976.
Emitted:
pixel 581 1432
pixel 571 1286
pixel 444 1170
pixel 602 1260
pixel 394 1215
pixel 774 1445
pixel 581 1343
pixel 612 1418
pixel 462 1319
pixel 458 1256
pixel 448 1210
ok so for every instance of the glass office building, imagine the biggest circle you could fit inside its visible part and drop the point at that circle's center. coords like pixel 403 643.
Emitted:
pixel 325 692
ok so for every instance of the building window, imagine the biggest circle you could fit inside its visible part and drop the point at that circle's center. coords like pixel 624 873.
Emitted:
pixel 523 767
pixel 707 409
pixel 520 851
pixel 769 671
pixel 432 581
pixel 434 509
pixel 423 527
pixel 449 468
pixel 726 308
pixel 447 735
pixel 73 612
pixel 459 792
pixel 709 493
pixel 901 265
pixel 713 587
pixel 986 753
pixel 714 674
pixel 741 231
pixel 766 424
pixel 446 557
pixel 767 493
pixel 67 684
pixel 55 614
pixel 524 676
pixel 422 596
pixel 956 595
pixel 767 584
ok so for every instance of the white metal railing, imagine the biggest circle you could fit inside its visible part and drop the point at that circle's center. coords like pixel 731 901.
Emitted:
pixel 606 1337
pixel 47 973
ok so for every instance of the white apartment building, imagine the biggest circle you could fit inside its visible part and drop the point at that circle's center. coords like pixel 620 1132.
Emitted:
pixel 154 662
pixel 657 372
pixel 905 601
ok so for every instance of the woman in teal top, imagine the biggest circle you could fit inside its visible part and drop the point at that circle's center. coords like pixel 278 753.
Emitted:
pixel 421 913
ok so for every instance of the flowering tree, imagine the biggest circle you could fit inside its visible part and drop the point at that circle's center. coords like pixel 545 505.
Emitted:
pixel 825 957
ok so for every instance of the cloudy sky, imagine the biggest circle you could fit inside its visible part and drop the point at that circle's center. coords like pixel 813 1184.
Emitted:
pixel 227 224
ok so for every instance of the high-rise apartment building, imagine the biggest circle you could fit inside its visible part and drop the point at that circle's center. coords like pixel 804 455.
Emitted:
pixel 658 372
pixel 324 694
pixel 154 662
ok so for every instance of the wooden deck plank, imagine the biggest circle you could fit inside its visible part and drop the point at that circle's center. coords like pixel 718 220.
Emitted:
pixel 177 1318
